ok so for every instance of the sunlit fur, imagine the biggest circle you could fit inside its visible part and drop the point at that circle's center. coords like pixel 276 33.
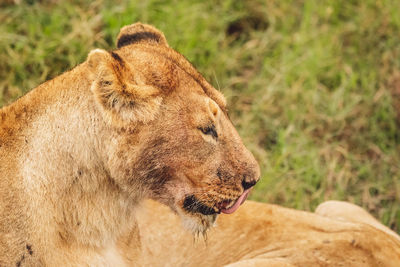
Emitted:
pixel 261 234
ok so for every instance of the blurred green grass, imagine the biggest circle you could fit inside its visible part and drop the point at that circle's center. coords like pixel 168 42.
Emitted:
pixel 313 86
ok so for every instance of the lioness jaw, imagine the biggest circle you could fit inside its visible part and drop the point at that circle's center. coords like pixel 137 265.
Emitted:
pixel 79 152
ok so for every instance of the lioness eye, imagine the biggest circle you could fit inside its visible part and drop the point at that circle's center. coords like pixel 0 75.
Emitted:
pixel 209 130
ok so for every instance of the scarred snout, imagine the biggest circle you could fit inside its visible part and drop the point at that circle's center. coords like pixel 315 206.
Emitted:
pixel 242 172
pixel 248 181
pixel 252 174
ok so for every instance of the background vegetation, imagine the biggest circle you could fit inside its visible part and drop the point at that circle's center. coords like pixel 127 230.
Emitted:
pixel 313 86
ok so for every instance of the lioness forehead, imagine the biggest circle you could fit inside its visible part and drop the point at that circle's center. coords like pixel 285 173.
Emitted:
pixel 161 66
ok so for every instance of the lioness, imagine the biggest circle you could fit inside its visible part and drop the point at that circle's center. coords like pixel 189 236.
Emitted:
pixel 79 153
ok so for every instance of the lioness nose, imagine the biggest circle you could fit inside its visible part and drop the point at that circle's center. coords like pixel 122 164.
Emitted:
pixel 247 185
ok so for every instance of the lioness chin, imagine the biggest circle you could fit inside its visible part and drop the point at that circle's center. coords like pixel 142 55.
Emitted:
pixel 80 152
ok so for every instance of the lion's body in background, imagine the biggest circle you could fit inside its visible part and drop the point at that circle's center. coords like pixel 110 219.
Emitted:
pixel 258 234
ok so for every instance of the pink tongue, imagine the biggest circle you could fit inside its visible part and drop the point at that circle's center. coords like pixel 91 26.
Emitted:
pixel 238 202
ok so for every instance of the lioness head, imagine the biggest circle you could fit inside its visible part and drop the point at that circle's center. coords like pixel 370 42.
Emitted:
pixel 172 139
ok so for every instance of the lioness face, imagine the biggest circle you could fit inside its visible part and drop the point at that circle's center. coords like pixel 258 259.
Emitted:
pixel 172 139
pixel 206 169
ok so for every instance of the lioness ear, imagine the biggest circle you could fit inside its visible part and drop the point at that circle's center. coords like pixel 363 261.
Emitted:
pixel 119 91
pixel 138 33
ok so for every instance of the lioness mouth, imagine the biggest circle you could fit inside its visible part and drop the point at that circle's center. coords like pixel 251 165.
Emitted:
pixel 228 207
pixel 192 204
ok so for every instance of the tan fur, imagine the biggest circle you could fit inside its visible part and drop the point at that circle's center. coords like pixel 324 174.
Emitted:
pixel 268 235
pixel 79 153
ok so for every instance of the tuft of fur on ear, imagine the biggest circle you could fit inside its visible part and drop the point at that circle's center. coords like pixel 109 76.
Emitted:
pixel 140 33
pixel 121 98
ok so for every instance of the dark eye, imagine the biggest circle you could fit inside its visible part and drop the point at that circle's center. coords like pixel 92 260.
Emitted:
pixel 209 130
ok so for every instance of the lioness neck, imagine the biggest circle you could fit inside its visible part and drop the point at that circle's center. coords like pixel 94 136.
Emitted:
pixel 61 169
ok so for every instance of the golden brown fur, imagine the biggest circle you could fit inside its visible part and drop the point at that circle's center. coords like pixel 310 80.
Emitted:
pixel 337 234
pixel 79 153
